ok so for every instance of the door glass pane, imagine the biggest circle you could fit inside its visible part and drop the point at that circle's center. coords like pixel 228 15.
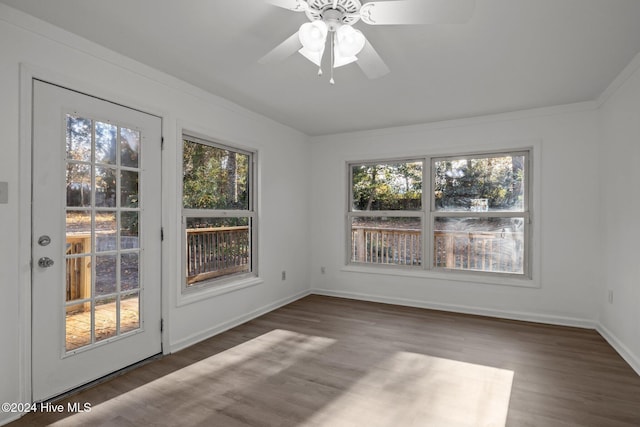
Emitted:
pixel 78 278
pixel 129 272
pixel 79 131
pixel 78 185
pixel 105 187
pixel 386 240
pixel 129 147
pixel 129 312
pixel 78 226
pixel 106 143
pixel 129 223
pixel 106 280
pixel 106 229
pixel 78 325
pixel 479 244
pixel 129 192
pixel 106 318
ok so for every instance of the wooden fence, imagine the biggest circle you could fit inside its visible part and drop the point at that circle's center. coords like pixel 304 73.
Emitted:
pixel 217 251
pixel 481 251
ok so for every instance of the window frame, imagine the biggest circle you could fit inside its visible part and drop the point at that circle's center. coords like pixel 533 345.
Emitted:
pixel 225 282
pixel 430 214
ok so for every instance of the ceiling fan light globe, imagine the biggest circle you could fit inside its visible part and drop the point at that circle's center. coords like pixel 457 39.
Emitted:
pixel 349 41
pixel 340 60
pixel 313 56
pixel 313 35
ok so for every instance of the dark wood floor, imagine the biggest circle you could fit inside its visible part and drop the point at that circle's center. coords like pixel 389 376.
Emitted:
pixel 562 376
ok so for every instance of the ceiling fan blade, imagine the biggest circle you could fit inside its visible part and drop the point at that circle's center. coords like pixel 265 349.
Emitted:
pixel 371 63
pixel 295 5
pixel 283 50
pixel 406 12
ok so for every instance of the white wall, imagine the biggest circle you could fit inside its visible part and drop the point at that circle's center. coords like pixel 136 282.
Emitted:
pixel 566 214
pixel 283 156
pixel 620 205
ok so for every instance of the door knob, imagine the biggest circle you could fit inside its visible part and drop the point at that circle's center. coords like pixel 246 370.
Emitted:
pixel 45 262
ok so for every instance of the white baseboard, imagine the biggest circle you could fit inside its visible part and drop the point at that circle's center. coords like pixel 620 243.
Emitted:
pixel 217 329
pixel 502 314
pixel 623 350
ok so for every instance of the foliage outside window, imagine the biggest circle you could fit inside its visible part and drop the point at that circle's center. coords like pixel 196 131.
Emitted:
pixel 477 219
pixel 386 213
pixel 218 216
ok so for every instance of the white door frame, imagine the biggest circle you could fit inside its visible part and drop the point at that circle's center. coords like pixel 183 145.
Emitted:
pixel 28 73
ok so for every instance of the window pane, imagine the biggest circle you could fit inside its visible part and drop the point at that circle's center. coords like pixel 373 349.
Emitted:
pixel 106 231
pixel 129 197
pixel 78 325
pixel 105 187
pixel 129 312
pixel 78 138
pixel 386 240
pixel 105 143
pixel 78 184
pixel 481 184
pixel 106 279
pixel 129 271
pixel 129 224
pixel 387 186
pixel 217 247
pixel 214 178
pixel 129 147
pixel 106 318
pixel 479 244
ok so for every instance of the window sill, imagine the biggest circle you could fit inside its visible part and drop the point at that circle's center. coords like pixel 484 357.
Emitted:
pixel 487 279
pixel 191 296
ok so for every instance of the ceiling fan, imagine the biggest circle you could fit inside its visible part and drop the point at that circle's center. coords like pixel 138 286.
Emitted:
pixel 333 20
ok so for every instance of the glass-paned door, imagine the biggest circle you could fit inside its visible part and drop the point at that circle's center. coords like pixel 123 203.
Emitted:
pixel 96 238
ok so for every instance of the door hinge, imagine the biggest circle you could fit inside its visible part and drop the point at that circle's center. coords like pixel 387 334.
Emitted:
pixel 162 142
pixel 162 234
pixel 161 325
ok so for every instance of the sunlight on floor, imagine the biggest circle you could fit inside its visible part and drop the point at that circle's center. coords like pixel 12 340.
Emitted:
pixel 417 389
pixel 316 381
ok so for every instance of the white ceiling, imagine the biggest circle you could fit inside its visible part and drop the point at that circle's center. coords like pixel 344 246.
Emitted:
pixel 511 55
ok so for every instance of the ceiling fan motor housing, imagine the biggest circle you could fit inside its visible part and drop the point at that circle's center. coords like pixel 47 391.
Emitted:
pixel 345 12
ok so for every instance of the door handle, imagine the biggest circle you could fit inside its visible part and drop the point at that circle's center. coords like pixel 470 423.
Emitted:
pixel 45 262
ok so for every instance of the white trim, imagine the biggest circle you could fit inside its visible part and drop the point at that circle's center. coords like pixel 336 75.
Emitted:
pixel 619 81
pixel 449 275
pixel 232 323
pixel 623 350
pixel 214 289
pixel 454 308
pixel 24 219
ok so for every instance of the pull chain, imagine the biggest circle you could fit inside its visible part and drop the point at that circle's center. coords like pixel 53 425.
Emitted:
pixel 332 58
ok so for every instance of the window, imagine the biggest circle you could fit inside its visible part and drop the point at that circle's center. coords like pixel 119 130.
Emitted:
pixel 218 214
pixel 386 213
pixel 477 218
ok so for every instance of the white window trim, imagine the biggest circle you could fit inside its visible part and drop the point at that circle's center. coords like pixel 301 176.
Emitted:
pixel 225 284
pixel 529 278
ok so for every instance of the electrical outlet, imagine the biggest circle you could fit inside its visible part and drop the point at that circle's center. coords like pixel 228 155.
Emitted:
pixel 284 275
pixel 610 297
